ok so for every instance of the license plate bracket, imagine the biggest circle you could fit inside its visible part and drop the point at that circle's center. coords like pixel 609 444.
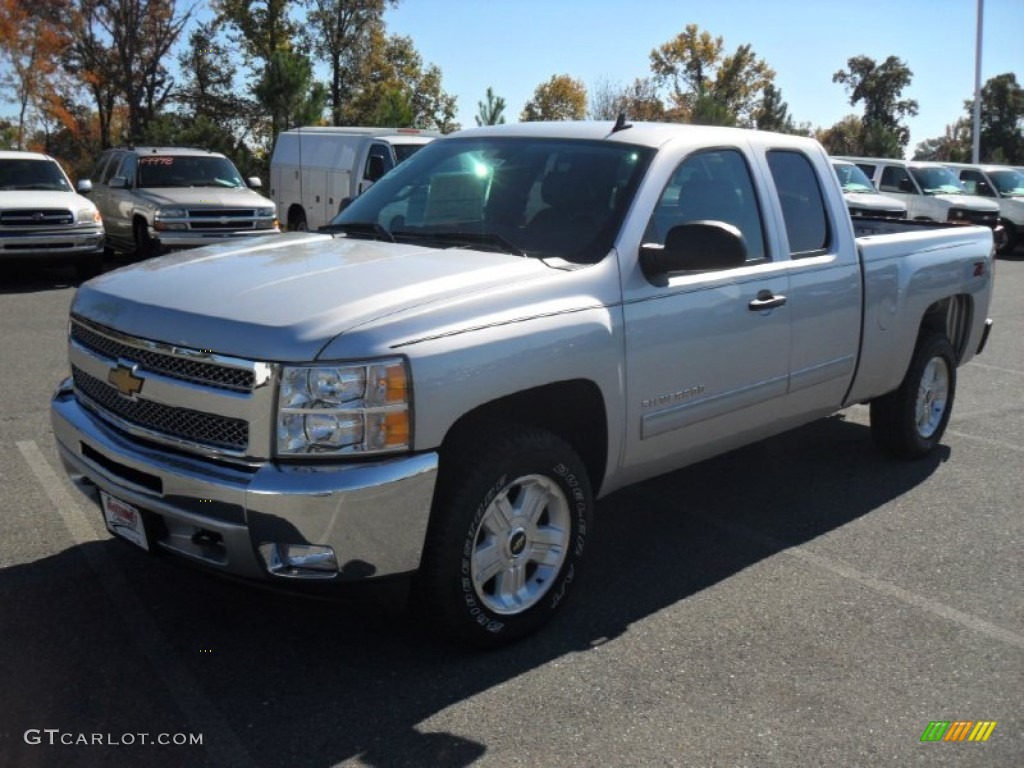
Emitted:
pixel 124 520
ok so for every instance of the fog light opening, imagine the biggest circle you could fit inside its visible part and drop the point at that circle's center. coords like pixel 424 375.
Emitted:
pixel 299 561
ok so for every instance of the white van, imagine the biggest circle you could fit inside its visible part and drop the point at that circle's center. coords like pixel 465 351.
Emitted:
pixel 931 191
pixel 862 199
pixel 1002 185
pixel 316 171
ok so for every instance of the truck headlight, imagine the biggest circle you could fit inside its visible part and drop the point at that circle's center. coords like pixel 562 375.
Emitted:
pixel 160 221
pixel 89 216
pixel 356 408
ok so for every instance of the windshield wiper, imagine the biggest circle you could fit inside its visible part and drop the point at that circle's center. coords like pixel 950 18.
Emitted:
pixel 484 240
pixel 370 229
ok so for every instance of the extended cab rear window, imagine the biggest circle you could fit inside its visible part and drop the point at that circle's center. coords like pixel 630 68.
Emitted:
pixel 803 207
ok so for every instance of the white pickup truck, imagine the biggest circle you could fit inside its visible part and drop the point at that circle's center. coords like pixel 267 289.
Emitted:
pixel 516 321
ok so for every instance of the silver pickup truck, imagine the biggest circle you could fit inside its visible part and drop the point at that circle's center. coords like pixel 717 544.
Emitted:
pixel 516 321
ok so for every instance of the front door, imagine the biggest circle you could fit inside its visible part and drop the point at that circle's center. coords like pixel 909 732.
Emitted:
pixel 707 353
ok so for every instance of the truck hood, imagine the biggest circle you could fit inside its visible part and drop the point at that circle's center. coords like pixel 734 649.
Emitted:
pixel 196 196
pixel 873 201
pixel 39 198
pixel 284 297
pixel 969 202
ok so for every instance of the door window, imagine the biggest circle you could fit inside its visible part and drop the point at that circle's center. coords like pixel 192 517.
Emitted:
pixel 711 186
pixel 803 207
pixel 896 179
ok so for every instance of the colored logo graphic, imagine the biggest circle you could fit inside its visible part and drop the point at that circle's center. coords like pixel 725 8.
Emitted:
pixel 958 730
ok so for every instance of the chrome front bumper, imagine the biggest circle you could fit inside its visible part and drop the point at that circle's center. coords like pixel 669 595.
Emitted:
pixel 373 515
pixel 194 239
pixel 72 242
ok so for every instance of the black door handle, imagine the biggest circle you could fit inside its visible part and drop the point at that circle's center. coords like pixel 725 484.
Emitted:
pixel 766 300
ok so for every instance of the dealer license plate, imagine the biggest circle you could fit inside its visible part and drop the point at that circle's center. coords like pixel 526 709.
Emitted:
pixel 124 520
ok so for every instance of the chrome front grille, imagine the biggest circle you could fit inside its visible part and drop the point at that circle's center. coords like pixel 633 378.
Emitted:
pixel 981 218
pixel 187 398
pixel 182 423
pixel 36 217
pixel 194 371
pixel 221 218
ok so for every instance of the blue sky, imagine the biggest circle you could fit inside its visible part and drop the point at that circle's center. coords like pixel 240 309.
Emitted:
pixel 514 45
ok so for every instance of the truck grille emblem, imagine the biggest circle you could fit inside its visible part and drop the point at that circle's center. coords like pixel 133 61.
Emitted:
pixel 125 381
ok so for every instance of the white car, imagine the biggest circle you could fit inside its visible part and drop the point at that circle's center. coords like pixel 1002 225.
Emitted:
pixel 42 217
pixel 861 196
pixel 1004 186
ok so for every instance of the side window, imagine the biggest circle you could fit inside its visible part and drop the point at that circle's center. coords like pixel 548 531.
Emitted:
pixel 869 170
pixel 803 207
pixel 378 162
pixel 110 170
pixel 710 186
pixel 128 167
pixel 896 179
pixel 975 183
pixel 100 167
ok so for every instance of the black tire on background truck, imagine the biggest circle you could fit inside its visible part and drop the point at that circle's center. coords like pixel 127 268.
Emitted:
pixel 507 533
pixel 909 422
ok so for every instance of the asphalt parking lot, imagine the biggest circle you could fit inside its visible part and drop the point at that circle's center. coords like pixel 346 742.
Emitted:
pixel 801 602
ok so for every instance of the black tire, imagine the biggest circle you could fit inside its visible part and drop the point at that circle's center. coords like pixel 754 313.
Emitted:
pixel 909 422
pixel 1011 239
pixel 490 578
pixel 145 246
pixel 297 222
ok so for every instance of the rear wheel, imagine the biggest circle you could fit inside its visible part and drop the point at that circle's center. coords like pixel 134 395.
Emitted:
pixel 509 524
pixel 297 221
pixel 909 422
pixel 1011 238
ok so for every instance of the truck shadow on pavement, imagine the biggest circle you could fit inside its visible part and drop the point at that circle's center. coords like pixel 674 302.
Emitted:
pixel 302 682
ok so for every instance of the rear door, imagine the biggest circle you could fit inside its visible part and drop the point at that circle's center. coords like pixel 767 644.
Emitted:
pixel 705 365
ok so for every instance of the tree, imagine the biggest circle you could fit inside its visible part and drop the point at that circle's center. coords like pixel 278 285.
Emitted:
pixel 954 146
pixel 560 98
pixel 879 86
pixel 1002 120
pixel 389 64
pixel 395 109
pixel 704 83
pixel 32 40
pixel 260 27
pixel 772 114
pixel 341 32
pixel 638 100
pixel 843 138
pixel 491 111
pixel 288 92
pixel 118 51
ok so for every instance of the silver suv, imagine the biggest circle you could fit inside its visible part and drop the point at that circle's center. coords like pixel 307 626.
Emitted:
pixel 158 198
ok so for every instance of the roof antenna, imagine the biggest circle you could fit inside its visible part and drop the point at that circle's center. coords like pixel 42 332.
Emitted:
pixel 620 123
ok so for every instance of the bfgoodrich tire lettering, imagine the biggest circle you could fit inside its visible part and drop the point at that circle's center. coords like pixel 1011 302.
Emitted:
pixel 509 528
pixel 909 422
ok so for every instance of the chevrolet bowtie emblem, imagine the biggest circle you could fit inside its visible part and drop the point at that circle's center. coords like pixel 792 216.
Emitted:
pixel 125 381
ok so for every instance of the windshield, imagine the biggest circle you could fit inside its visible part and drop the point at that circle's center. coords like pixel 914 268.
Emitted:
pixel 937 181
pixel 187 171
pixel 1010 183
pixel 853 179
pixel 534 197
pixel 25 173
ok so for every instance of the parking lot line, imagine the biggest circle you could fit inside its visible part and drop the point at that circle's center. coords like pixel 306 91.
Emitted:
pixel 219 740
pixel 845 571
pixel 986 440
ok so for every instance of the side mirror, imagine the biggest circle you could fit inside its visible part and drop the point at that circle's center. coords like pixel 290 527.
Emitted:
pixel 374 168
pixel 84 187
pixel 906 185
pixel 697 246
pixel 118 182
pixel 254 182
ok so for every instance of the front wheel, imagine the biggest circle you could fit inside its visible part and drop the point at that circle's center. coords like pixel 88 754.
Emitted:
pixel 145 246
pixel 510 521
pixel 909 422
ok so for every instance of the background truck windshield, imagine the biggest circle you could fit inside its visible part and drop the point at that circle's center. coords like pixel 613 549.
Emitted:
pixel 938 181
pixel 852 178
pixel 532 197
pixel 187 171
pixel 1010 183
pixel 24 173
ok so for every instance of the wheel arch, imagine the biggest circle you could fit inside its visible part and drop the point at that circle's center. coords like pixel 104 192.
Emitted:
pixel 574 410
pixel 953 317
